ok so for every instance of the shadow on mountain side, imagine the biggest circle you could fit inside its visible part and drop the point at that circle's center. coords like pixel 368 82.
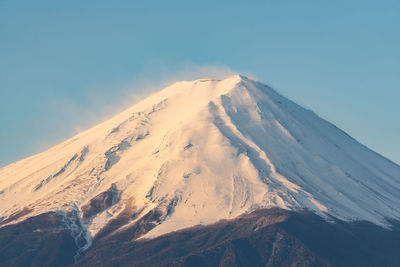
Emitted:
pixel 267 237
pixel 42 240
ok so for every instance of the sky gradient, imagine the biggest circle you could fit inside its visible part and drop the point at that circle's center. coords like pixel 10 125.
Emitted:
pixel 68 65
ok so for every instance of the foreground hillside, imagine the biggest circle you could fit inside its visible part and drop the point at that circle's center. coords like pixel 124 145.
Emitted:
pixel 266 237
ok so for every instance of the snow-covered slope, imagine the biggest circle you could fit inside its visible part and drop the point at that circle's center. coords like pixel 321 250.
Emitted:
pixel 200 151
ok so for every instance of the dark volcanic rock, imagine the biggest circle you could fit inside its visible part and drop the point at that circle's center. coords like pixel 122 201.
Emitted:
pixel 270 237
pixel 38 241
pixel 15 216
pixel 100 202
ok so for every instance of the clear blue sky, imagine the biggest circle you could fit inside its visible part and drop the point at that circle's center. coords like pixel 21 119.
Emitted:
pixel 65 65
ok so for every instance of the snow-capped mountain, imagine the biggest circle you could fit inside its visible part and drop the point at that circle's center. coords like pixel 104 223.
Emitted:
pixel 198 152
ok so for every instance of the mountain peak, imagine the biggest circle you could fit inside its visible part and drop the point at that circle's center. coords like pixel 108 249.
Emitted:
pixel 200 151
pixel 235 78
pixel 238 76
